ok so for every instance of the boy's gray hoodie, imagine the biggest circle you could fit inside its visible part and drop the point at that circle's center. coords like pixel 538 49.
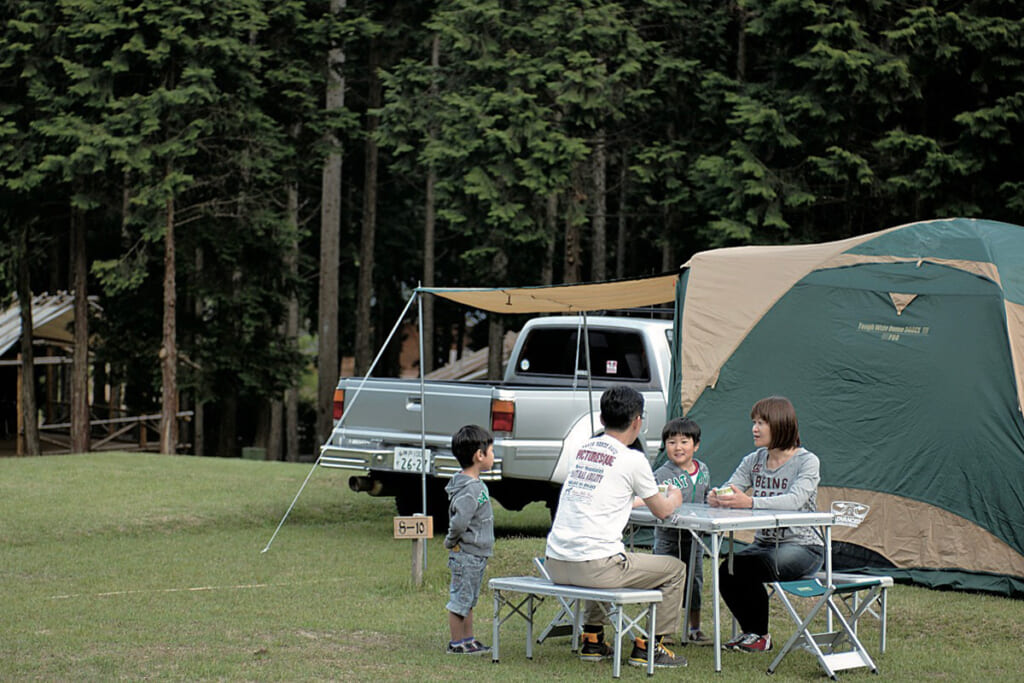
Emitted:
pixel 470 516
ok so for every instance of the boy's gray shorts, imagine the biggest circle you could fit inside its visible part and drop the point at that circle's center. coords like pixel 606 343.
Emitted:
pixel 467 577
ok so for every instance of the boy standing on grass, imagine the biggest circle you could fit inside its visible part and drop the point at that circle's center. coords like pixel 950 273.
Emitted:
pixel 470 539
pixel 681 438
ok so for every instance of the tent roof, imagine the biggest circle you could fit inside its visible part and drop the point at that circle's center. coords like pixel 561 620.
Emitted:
pixel 575 298
pixel 722 306
pixel 52 315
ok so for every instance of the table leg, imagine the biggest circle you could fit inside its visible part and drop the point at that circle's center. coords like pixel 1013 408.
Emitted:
pixel 652 619
pixel 577 623
pixel 716 547
pixel 694 543
pixel 496 626
pixel 617 663
pixel 529 627
pixel 828 568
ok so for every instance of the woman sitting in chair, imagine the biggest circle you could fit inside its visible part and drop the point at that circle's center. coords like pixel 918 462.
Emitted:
pixel 779 475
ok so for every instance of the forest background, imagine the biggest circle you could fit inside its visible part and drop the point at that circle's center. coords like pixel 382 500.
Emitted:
pixel 231 177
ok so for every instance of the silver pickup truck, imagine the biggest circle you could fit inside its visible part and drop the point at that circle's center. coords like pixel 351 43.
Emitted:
pixel 547 404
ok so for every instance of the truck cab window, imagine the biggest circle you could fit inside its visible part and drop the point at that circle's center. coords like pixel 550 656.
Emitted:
pixel 614 354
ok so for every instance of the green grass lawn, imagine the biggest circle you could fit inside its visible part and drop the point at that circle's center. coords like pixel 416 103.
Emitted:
pixel 131 567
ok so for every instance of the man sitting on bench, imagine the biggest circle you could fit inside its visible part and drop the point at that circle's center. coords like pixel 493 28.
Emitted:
pixel 585 548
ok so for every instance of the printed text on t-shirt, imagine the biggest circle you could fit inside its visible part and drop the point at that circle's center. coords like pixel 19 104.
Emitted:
pixel 596 456
pixel 763 481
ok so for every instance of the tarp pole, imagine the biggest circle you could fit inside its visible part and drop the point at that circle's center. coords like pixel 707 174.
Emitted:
pixel 398 323
pixel 590 378
pixel 423 425
pixel 576 358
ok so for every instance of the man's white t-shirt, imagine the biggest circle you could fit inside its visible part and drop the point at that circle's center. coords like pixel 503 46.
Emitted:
pixel 596 500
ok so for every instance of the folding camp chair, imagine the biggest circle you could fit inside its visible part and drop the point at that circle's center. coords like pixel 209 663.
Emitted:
pixel 874 600
pixel 835 649
pixel 567 621
pixel 875 588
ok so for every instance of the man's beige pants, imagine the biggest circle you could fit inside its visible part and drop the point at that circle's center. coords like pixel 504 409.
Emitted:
pixel 628 570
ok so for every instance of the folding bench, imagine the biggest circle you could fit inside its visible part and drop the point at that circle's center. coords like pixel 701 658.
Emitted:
pixel 612 600
pixel 567 622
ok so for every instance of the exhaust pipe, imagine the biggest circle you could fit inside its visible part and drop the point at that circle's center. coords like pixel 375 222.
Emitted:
pixel 374 487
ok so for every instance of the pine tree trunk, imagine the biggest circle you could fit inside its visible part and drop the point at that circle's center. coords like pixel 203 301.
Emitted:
pixel 169 347
pixel 227 432
pixel 330 248
pixel 364 296
pixel 669 222
pixel 547 271
pixel 572 268
pixel 495 323
pixel 291 333
pixel 80 353
pixel 275 435
pixel 199 409
pixel 741 43
pixel 599 209
pixel 264 426
pixel 620 241
pixel 427 361
pixel 29 432
pixel 429 232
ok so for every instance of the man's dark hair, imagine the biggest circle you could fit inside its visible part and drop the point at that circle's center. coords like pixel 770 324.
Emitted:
pixel 681 426
pixel 467 441
pixel 620 406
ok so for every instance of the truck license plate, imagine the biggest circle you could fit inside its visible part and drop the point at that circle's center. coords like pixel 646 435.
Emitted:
pixel 410 459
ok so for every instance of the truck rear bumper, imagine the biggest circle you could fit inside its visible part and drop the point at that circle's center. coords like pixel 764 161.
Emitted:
pixel 442 465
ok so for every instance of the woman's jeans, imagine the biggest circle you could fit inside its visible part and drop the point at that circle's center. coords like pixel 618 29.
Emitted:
pixel 757 564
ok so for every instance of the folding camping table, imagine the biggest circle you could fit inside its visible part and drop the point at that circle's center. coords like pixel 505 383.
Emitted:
pixel 699 519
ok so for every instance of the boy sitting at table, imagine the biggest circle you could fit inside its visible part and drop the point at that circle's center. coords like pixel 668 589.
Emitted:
pixel 680 438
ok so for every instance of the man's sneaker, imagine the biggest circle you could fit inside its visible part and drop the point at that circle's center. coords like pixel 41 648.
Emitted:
pixel 594 648
pixel 755 643
pixel 663 657
pixel 698 637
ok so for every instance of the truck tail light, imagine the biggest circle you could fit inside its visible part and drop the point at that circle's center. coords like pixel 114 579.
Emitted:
pixel 503 415
pixel 339 403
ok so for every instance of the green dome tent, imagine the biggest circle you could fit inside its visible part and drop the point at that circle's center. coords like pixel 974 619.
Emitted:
pixel 903 352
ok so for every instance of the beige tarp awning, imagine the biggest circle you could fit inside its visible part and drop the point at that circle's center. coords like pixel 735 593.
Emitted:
pixel 601 296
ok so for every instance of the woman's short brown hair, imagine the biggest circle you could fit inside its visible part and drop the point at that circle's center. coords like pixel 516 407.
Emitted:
pixel 780 415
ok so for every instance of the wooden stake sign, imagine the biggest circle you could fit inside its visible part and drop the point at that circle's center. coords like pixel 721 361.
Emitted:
pixel 418 528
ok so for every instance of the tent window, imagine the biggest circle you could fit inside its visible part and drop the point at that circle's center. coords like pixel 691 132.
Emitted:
pixel 614 354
